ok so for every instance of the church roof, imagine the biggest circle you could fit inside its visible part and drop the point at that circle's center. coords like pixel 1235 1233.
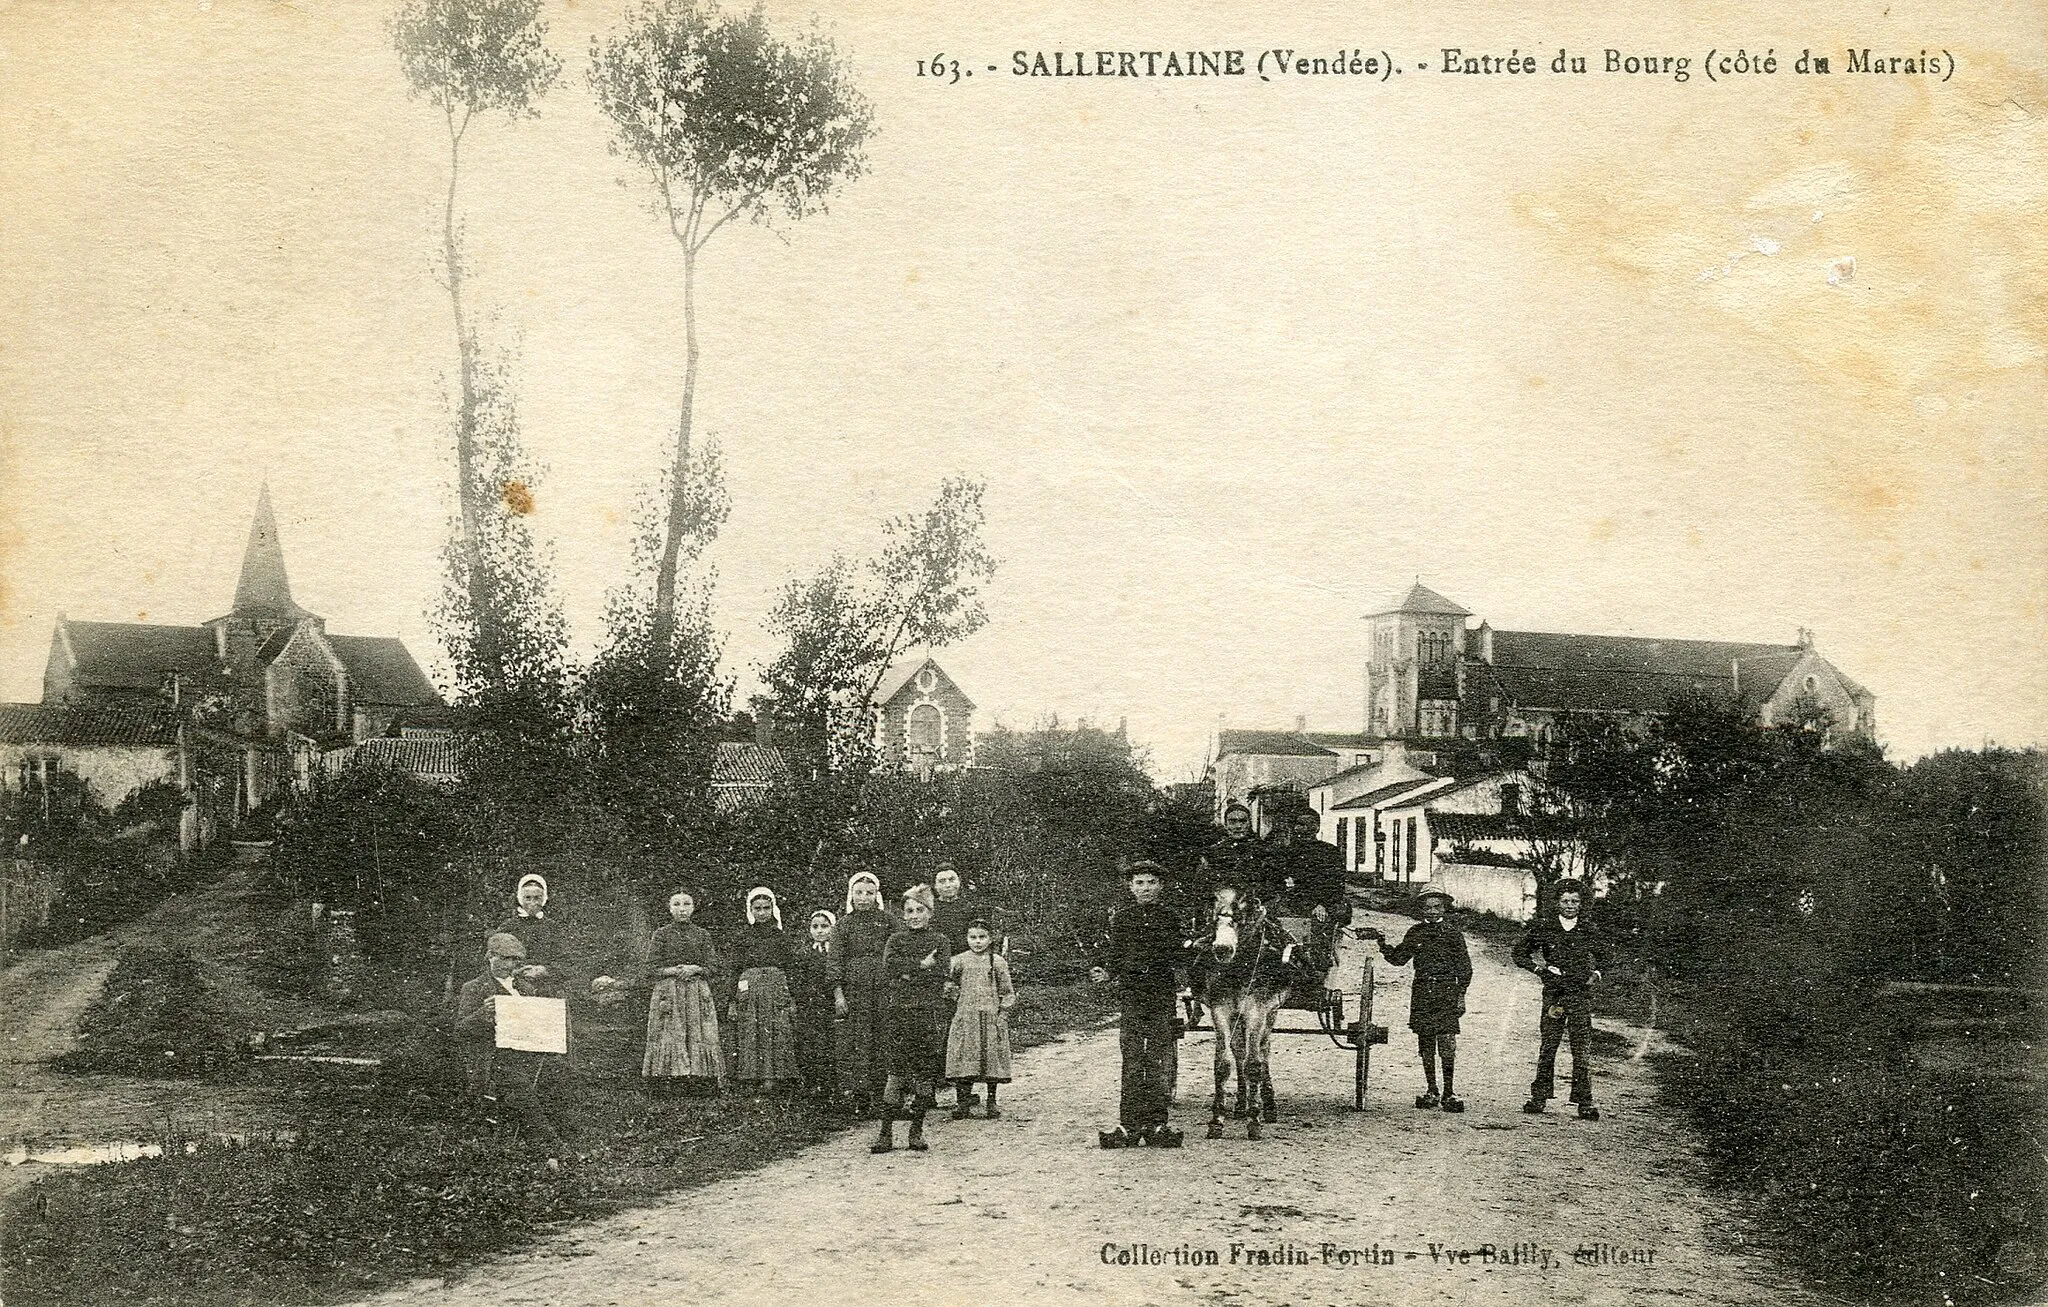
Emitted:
pixel 264 590
pixel 381 670
pixel 1421 599
pixel 136 655
pixel 86 724
pixel 1619 673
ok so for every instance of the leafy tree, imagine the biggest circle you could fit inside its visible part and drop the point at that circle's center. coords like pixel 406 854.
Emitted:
pixel 505 633
pixel 843 628
pixel 654 695
pixel 727 121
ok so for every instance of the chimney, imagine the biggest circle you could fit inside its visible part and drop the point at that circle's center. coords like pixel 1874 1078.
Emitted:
pixel 1300 724
pixel 1486 642
pixel 764 730
pixel 1806 637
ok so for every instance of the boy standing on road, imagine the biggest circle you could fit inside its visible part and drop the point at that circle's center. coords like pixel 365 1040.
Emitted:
pixel 1568 953
pixel 1443 971
pixel 1146 942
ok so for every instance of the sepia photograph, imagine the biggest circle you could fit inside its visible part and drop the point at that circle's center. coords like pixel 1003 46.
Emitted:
pixel 759 651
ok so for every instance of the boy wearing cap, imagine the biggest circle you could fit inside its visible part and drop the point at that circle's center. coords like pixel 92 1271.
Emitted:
pixel 1146 942
pixel 1568 953
pixel 1443 971
pixel 504 1077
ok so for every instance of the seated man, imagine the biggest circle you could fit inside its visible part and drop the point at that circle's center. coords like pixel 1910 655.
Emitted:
pixel 507 1080
pixel 1307 880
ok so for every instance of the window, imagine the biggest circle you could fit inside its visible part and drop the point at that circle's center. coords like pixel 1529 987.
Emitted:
pixel 1811 684
pixel 1344 835
pixel 1411 848
pixel 1379 853
pixel 923 739
pixel 1394 864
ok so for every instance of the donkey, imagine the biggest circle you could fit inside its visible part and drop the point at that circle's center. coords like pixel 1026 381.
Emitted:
pixel 1245 981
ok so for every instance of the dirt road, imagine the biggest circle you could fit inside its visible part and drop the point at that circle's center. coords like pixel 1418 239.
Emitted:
pixel 41 1110
pixel 1393 1205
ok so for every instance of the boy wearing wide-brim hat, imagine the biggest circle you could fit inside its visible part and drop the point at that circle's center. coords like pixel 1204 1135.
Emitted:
pixel 1443 971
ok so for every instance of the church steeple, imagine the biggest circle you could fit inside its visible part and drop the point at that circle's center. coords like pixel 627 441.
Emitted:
pixel 264 592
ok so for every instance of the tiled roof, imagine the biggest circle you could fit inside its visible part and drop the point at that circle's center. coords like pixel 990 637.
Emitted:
pixel 137 655
pixel 1421 599
pixel 1615 673
pixel 1340 739
pixel 1625 653
pixel 1378 798
pixel 741 763
pixel 86 724
pixel 1286 744
pixel 1468 825
pixel 381 671
pixel 1758 678
pixel 428 759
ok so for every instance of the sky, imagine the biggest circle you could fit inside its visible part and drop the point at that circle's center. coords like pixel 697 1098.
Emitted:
pixel 1239 360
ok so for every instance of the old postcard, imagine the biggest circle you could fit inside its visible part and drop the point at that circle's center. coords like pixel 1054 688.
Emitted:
pixel 1137 653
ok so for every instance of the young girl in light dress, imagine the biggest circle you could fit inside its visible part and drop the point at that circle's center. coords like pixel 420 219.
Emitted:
pixel 978 1044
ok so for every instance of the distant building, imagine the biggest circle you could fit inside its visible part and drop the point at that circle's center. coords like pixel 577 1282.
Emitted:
pixel 923 721
pixel 237 708
pixel 1428 675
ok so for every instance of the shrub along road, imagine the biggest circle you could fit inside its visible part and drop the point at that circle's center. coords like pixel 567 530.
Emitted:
pixel 1027 1210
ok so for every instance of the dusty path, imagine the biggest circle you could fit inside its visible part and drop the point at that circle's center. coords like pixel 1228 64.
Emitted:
pixel 41 999
pixel 1027 1210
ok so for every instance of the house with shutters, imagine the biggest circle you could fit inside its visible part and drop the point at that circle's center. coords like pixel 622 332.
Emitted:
pixel 235 709
pixel 924 722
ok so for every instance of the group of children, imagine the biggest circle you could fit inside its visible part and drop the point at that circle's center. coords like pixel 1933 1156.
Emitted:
pixel 872 1008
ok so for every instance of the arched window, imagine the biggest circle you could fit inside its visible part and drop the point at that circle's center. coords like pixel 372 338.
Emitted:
pixel 925 736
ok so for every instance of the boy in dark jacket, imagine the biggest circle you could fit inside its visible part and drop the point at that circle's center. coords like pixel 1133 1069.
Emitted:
pixel 1443 971
pixel 1569 954
pixel 1146 942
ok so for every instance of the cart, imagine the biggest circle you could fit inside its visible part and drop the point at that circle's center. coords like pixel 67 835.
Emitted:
pixel 1342 1016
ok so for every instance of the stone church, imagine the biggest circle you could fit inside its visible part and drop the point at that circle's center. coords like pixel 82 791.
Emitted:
pixel 266 684
pixel 1429 675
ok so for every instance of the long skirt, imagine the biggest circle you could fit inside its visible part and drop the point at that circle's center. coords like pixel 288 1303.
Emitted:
pixel 862 1064
pixel 764 1038
pixel 978 1046
pixel 682 1030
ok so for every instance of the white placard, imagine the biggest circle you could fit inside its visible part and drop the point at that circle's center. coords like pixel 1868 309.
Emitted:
pixel 533 1025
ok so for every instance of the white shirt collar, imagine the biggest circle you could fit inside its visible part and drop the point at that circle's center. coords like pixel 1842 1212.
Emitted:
pixel 505 983
pixel 1567 923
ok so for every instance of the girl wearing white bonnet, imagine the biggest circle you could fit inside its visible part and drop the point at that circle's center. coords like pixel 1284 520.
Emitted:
pixel 854 967
pixel 763 1016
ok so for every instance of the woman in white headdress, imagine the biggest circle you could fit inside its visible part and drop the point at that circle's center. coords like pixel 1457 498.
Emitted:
pixel 762 1014
pixel 860 992
pixel 531 925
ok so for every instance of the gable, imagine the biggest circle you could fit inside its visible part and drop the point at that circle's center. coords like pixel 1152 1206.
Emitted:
pixel 900 682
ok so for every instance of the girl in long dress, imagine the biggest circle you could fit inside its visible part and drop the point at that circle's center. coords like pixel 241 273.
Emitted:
pixel 682 1014
pixel 978 1041
pixel 763 1015
pixel 858 992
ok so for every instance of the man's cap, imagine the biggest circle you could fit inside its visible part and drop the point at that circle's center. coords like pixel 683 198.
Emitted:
pixel 1429 894
pixel 504 945
pixel 1144 866
pixel 1237 807
pixel 1577 887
